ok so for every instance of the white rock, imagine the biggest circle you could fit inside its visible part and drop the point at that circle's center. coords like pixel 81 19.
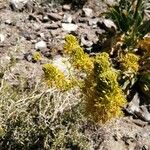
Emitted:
pixel 144 113
pixel 40 45
pixel 69 27
pixel 93 21
pixel 2 38
pixel 8 21
pixel 36 26
pixel 62 64
pixel 147 36
pixel 18 4
pixel 45 18
pixel 66 7
pixel 111 2
pixel 88 12
pixel 67 18
pixel 133 106
pixel 86 42
pixel 109 23
pixel 55 16
pixel 42 35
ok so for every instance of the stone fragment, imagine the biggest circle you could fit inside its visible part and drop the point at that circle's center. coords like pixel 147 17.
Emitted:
pixel 143 114
pixel 83 20
pixel 42 35
pixel 52 26
pixel 67 18
pixel 47 53
pixel 92 22
pixel 2 37
pixel 45 18
pixel 99 32
pixel 54 16
pixel 66 7
pixel 87 12
pixel 28 56
pixel 18 4
pixel 111 2
pixel 40 45
pixel 56 32
pixel 107 25
pixel 140 111
pixel 69 27
pixel 8 21
pixel 36 26
pixel 139 122
pixel 85 42
pixel 25 34
pixel 133 106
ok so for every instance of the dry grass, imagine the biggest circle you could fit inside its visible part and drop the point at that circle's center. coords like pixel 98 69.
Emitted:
pixel 41 118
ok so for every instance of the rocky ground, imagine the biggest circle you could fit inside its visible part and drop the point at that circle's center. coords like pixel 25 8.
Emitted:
pixel 31 27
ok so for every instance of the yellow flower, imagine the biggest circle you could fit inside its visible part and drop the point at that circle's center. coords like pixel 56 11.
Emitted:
pixel 103 96
pixel 78 58
pixel 129 62
pixel 55 78
pixel 37 56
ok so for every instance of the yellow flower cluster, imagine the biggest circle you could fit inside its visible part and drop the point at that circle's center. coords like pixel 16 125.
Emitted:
pixel 129 62
pixel 104 98
pixel 78 58
pixel 55 78
pixel 37 56
pixel 102 95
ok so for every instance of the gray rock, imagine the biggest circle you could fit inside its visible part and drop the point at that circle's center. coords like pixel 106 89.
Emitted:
pixel 47 53
pixel 107 25
pixel 139 122
pixel 36 26
pixel 84 27
pixel 69 27
pixel 40 45
pixel 67 18
pixel 54 16
pixel 88 12
pixel 140 111
pixel 26 35
pixel 28 57
pixel 99 32
pixel 8 21
pixel 56 32
pixel 88 50
pixel 92 37
pixel 18 4
pixel 145 147
pixel 133 106
pixel 85 42
pixel 42 35
pixel 66 7
pixel 143 114
pixel 111 2
pixel 45 18
pixel 83 20
pixel 93 22
pixel 52 26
